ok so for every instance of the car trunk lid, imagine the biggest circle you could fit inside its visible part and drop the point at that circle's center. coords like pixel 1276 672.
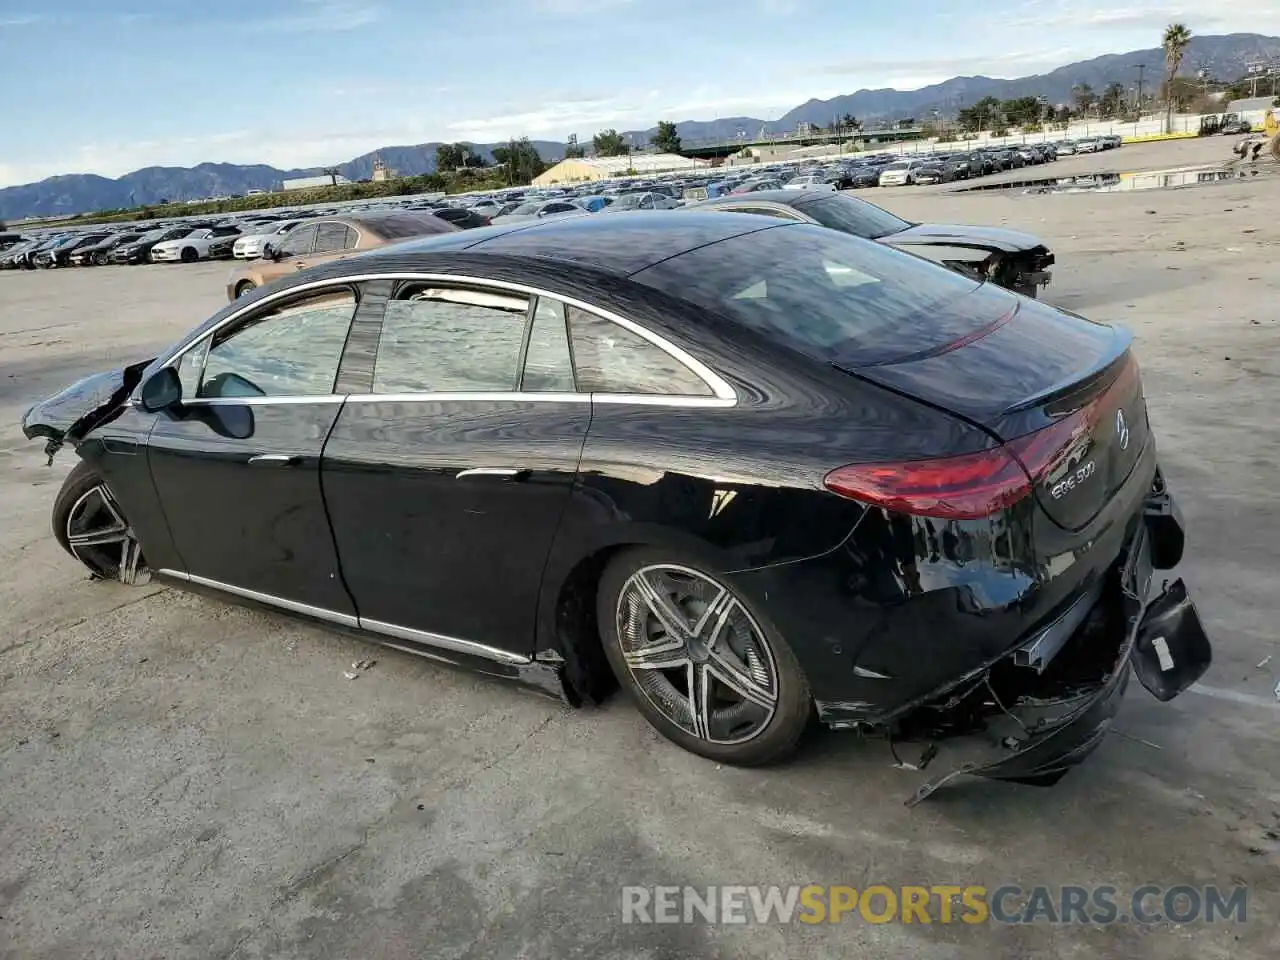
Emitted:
pixel 1062 393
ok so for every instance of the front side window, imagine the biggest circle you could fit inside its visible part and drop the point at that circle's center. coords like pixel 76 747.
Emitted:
pixel 291 351
pixel 441 340
pixel 608 358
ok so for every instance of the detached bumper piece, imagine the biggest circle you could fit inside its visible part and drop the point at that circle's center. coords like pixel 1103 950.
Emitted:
pixel 1061 712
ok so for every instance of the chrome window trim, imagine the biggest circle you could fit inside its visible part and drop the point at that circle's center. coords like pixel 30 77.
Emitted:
pixel 439 640
pixel 510 396
pixel 720 388
pixel 262 401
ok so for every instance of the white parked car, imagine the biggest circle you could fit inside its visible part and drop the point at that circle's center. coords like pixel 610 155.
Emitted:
pixel 811 182
pixel 1088 145
pixel 251 246
pixel 206 243
pixel 900 173
pixel 538 210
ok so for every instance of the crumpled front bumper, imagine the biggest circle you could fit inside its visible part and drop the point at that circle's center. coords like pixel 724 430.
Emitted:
pixel 1164 644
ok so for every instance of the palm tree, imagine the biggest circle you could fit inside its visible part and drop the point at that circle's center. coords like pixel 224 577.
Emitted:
pixel 1175 41
pixel 332 174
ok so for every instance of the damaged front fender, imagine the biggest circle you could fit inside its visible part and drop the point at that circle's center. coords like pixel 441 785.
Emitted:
pixel 69 415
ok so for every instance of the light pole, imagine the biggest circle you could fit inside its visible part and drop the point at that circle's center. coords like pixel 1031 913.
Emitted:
pixel 1142 68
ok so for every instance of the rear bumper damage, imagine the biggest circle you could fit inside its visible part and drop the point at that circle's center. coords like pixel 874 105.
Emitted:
pixel 1042 709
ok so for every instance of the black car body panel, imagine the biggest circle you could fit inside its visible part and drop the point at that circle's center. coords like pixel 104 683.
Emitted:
pixel 70 414
pixel 987 238
pixel 471 527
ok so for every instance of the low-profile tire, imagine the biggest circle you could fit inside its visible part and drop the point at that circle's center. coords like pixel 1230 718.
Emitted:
pixel 189 255
pixel 91 526
pixel 244 288
pixel 721 682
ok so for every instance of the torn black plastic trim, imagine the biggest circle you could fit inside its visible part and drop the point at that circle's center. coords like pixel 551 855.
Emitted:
pixel 69 415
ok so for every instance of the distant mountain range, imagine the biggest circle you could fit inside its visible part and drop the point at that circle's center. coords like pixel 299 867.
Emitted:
pixel 1223 57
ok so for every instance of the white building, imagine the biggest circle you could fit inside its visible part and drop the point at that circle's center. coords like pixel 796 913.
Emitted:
pixel 578 169
pixel 310 183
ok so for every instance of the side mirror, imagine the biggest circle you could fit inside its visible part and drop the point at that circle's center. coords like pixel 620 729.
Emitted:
pixel 161 391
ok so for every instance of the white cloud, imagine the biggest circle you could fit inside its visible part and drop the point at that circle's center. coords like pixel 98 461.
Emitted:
pixel 23 20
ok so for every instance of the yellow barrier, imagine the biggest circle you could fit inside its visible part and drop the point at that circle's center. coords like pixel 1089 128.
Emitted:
pixel 1153 137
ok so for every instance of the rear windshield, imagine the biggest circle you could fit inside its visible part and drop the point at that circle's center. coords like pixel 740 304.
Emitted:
pixel 398 226
pixel 851 215
pixel 829 295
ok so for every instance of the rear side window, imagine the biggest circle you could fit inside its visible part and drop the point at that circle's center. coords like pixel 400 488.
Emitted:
pixel 333 236
pixel 609 358
pixel 440 340
pixel 829 295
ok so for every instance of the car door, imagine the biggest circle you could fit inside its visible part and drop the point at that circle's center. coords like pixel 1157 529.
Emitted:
pixel 446 481
pixel 236 465
pixel 297 246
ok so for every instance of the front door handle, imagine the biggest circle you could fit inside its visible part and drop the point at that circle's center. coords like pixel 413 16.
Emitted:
pixel 501 473
pixel 275 460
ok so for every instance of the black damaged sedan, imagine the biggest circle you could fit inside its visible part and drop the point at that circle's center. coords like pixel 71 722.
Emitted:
pixel 755 471
pixel 1010 258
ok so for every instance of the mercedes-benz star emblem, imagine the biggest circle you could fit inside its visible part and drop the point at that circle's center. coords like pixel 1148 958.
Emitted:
pixel 1122 430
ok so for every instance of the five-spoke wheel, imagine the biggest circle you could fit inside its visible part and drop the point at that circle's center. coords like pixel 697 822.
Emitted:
pixel 700 664
pixel 89 523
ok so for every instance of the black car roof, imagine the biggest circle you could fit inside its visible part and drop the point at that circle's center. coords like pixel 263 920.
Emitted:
pixel 621 243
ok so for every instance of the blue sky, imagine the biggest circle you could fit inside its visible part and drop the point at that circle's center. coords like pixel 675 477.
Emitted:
pixel 107 86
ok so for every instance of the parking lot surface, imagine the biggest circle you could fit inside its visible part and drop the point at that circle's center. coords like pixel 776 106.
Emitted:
pixel 183 778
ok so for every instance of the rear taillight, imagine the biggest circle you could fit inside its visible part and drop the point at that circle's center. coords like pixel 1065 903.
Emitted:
pixel 975 485
pixel 953 488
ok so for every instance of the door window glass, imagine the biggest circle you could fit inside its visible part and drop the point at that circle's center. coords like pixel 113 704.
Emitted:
pixel 292 351
pixel 438 340
pixel 548 365
pixel 298 241
pixel 611 359
pixel 331 237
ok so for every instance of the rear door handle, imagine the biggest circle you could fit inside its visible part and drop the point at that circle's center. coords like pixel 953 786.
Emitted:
pixel 275 460
pixel 502 473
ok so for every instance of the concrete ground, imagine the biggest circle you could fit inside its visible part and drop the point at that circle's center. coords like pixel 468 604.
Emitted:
pixel 183 778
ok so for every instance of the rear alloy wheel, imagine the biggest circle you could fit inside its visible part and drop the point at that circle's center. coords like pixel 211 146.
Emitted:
pixel 244 288
pixel 189 255
pixel 703 668
pixel 90 525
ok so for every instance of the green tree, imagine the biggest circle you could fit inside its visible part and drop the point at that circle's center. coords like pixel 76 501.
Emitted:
pixel 1175 41
pixel 981 116
pixel 666 140
pixel 1024 111
pixel 1085 97
pixel 610 143
pixel 330 172
pixel 449 156
pixel 519 160
pixel 572 148
pixel 850 122
pixel 1111 102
